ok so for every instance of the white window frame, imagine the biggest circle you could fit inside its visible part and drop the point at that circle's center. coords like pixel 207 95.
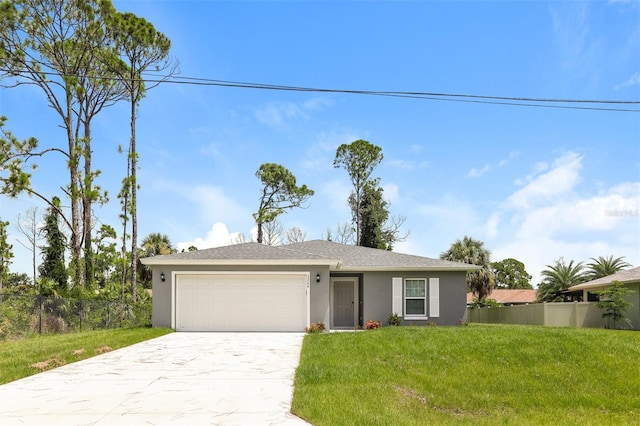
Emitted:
pixel 408 316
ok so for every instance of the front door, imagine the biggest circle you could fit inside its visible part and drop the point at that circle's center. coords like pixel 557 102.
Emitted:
pixel 344 302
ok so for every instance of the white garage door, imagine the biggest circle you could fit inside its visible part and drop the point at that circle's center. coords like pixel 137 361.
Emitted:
pixel 242 302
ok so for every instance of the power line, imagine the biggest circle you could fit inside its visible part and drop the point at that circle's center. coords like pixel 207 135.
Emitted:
pixel 577 104
pixel 207 81
pixel 448 97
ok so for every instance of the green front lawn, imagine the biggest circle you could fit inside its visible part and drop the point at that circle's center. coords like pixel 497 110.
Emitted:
pixel 50 351
pixel 479 374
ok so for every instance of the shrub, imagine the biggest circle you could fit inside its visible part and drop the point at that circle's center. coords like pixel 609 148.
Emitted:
pixel 613 303
pixel 393 319
pixel 315 327
pixel 484 303
pixel 371 325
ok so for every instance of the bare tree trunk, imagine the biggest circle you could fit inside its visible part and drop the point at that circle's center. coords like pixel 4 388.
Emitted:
pixel 260 234
pixel 74 161
pixel 134 206
pixel 125 215
pixel 30 230
pixel 87 198
pixel 1 274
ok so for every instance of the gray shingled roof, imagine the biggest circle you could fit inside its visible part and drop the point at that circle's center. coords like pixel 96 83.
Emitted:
pixel 626 276
pixel 242 254
pixel 318 252
pixel 363 258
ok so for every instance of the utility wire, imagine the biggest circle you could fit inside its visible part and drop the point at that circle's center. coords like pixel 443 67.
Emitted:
pixel 430 96
pixel 447 97
pixel 376 92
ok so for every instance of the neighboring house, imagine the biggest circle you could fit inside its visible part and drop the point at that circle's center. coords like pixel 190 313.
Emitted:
pixel 508 297
pixel 629 277
pixel 256 287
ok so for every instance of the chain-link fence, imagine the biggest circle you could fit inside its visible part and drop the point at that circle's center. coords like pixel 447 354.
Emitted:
pixel 22 315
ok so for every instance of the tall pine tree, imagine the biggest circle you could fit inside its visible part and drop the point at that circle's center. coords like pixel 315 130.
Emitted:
pixel 53 264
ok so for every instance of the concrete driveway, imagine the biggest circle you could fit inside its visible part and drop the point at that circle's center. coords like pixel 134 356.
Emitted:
pixel 179 378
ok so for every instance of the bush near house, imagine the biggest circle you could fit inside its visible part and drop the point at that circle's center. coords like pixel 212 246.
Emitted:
pixel 372 325
pixel 394 319
pixel 612 302
pixel 315 327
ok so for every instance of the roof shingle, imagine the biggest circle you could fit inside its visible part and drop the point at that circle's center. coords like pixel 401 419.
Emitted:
pixel 509 296
pixel 357 257
pixel 336 256
pixel 626 276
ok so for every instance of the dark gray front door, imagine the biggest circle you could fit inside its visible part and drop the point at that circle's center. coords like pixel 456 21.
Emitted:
pixel 343 303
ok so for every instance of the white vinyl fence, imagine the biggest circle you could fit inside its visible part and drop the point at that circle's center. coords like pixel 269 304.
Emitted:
pixel 572 314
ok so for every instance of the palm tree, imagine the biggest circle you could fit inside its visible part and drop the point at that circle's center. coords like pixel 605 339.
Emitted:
pixel 559 277
pixel 156 244
pixel 152 245
pixel 605 266
pixel 469 250
pixel 481 282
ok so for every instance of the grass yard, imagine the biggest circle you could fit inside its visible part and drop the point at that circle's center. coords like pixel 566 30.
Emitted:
pixel 479 374
pixel 18 357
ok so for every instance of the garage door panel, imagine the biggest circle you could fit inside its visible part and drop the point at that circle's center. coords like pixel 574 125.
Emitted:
pixel 243 302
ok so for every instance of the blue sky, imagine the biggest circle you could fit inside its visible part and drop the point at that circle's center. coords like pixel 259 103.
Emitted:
pixel 535 184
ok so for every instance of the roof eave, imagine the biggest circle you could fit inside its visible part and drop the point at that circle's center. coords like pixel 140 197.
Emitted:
pixel 343 268
pixel 233 262
pixel 587 286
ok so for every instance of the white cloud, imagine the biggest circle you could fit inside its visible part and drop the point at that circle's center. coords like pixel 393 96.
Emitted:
pixel 407 165
pixel 537 169
pixel 217 236
pixel 571 34
pixel 562 178
pixel 391 192
pixel 212 150
pixel 479 172
pixel 552 217
pixel 337 193
pixel 604 212
pixel 279 115
pixel 449 214
pixel 492 225
pixel 634 80
pixel 474 172
pixel 213 203
pixel 319 156
pixel 435 223
pixel 317 103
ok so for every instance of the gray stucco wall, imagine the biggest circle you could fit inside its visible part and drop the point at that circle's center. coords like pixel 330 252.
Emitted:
pixel 161 313
pixel 161 308
pixel 377 296
pixel 633 314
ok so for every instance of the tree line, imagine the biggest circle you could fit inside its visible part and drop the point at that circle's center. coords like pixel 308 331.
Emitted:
pixel 84 56
pixel 511 273
pixel 371 224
